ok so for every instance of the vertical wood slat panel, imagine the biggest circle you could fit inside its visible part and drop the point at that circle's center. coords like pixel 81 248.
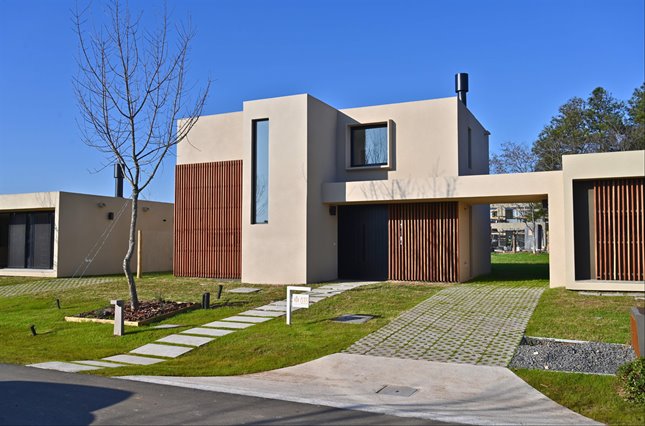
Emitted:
pixel 619 229
pixel 423 242
pixel 208 220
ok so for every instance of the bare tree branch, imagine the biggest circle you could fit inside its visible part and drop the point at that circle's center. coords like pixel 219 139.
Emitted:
pixel 131 91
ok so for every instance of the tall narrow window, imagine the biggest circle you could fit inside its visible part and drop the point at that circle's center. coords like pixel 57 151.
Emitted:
pixel 470 148
pixel 260 179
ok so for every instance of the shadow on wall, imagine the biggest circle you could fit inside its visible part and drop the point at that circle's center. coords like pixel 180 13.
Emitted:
pixel 44 403
pixel 436 183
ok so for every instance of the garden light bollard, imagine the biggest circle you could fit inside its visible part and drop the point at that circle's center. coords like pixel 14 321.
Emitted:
pixel 118 317
pixel 206 300
pixel 219 291
pixel 289 290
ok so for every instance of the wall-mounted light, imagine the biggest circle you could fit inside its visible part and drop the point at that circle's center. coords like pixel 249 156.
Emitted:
pixel 101 205
pixel 145 209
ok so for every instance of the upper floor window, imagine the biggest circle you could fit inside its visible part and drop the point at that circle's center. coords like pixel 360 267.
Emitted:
pixel 260 170
pixel 369 145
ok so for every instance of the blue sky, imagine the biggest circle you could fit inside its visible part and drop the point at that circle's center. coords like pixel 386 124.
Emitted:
pixel 525 59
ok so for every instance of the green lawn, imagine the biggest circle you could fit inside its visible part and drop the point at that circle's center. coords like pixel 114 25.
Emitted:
pixel 265 346
pixel 569 315
pixel 590 395
pixel 560 313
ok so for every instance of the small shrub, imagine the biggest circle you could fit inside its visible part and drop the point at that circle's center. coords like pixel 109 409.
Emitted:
pixel 632 380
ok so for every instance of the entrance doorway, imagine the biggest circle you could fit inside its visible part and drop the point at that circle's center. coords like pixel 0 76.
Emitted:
pixel 27 240
pixel 362 242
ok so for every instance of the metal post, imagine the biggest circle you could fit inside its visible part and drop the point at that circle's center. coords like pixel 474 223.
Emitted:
pixel 118 317
pixel 139 252
pixel 289 290
pixel 206 300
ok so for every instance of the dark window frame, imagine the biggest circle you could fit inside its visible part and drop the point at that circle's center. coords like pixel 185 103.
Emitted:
pixel 352 161
pixel 254 200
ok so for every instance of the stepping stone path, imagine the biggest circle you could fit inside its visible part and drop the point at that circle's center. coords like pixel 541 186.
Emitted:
pixel 465 324
pixel 175 345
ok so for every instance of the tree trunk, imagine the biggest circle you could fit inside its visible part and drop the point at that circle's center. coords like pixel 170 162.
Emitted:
pixel 134 298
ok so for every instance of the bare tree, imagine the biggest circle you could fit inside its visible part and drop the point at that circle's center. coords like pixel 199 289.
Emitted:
pixel 131 89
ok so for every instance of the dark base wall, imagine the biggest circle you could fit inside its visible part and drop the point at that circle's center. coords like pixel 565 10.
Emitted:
pixel 208 220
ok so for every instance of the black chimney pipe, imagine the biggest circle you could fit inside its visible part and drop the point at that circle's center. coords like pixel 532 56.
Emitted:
pixel 118 180
pixel 461 86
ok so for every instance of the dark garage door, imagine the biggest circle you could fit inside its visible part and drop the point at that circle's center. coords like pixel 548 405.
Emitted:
pixel 362 242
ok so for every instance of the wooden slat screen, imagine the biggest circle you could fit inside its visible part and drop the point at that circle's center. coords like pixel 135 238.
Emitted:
pixel 208 220
pixel 423 242
pixel 619 229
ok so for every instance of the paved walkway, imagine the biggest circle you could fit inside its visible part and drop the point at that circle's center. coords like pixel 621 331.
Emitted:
pixel 175 345
pixel 455 393
pixel 462 324
pixel 50 285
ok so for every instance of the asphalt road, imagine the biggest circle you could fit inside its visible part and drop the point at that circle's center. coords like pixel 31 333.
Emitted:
pixel 30 396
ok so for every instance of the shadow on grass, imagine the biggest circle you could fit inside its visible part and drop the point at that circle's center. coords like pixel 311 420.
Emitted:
pixel 515 272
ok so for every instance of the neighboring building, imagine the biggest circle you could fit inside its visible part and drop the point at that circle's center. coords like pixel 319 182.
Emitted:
pixel 292 190
pixel 512 230
pixel 62 234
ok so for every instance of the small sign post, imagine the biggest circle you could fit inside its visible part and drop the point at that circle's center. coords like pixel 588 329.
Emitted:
pixel 296 300
pixel 118 317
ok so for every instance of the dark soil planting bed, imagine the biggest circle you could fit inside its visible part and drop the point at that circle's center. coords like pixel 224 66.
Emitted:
pixel 148 312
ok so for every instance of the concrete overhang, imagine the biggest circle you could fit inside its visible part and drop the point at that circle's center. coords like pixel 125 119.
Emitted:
pixel 477 189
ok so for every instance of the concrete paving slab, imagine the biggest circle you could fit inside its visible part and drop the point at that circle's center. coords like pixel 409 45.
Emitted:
pixel 64 366
pixel 99 363
pixel 166 351
pixel 228 324
pixel 240 318
pixel 185 340
pixel 454 393
pixel 271 307
pixel 200 331
pixel 243 290
pixel 164 326
pixel 256 313
pixel 132 359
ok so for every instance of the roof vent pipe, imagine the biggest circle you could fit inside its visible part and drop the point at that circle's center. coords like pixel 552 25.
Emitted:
pixel 118 180
pixel 461 86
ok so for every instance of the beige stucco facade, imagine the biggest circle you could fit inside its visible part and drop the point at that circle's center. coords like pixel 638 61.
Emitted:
pixel 308 149
pixel 437 151
pixel 82 231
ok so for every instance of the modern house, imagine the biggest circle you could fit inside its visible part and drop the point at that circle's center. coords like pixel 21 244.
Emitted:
pixel 62 234
pixel 293 190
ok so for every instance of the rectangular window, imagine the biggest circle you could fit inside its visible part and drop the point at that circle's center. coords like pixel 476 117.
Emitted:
pixel 470 148
pixel 369 145
pixel 260 178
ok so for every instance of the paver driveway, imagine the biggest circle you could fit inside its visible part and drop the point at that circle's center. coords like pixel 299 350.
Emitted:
pixel 50 285
pixel 472 324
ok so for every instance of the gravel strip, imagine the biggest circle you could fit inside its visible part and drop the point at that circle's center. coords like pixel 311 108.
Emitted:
pixel 572 356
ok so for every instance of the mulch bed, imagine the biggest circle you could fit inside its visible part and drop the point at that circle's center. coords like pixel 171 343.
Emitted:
pixel 147 310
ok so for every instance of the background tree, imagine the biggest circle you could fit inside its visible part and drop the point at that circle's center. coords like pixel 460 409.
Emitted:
pixel 519 158
pixel 636 119
pixel 599 124
pixel 131 89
